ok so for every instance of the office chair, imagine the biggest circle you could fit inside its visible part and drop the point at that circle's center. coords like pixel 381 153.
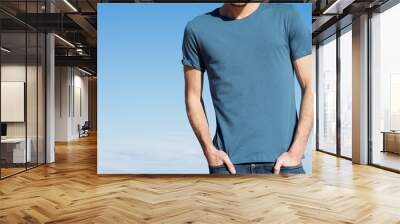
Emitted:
pixel 84 130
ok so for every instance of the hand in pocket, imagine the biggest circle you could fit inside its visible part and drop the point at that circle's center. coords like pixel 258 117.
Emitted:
pixel 218 157
pixel 285 160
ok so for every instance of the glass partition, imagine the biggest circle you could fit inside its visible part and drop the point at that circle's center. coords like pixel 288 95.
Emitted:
pixel 327 96
pixel 22 78
pixel 41 107
pixel 32 95
pixel 346 93
pixel 14 153
pixel 385 89
pixel 31 101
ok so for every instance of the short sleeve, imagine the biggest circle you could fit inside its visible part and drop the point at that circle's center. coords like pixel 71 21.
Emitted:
pixel 300 42
pixel 191 54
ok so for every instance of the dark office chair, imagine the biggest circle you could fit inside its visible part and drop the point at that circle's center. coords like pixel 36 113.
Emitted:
pixel 84 130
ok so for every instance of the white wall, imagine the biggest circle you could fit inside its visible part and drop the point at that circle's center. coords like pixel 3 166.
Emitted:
pixel 70 83
pixel 12 73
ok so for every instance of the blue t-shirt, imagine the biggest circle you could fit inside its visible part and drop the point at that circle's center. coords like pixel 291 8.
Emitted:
pixel 251 77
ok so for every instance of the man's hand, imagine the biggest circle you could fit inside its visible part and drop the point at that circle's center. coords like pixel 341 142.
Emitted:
pixel 286 159
pixel 217 157
pixel 292 157
pixel 198 120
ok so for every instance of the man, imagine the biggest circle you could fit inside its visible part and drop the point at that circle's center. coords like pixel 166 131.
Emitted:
pixel 250 52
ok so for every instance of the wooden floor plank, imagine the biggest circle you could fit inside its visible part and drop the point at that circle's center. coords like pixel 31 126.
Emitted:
pixel 70 191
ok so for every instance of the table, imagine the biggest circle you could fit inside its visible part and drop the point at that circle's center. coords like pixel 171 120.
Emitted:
pixel 17 149
pixel 391 141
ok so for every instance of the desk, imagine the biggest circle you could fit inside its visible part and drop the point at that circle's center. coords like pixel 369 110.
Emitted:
pixel 17 151
pixel 391 141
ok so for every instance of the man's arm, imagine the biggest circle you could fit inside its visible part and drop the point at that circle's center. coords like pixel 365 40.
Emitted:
pixel 303 67
pixel 197 118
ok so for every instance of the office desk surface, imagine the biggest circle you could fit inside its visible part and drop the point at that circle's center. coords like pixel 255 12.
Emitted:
pixel 13 140
pixel 19 153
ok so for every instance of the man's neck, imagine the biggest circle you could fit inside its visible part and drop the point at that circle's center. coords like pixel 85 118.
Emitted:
pixel 238 12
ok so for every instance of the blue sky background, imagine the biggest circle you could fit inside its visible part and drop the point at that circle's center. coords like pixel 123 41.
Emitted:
pixel 142 123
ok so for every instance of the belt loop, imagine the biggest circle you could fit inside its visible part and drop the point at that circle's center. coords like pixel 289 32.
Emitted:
pixel 252 166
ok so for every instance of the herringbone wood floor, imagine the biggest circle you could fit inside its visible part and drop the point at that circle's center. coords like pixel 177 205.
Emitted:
pixel 70 191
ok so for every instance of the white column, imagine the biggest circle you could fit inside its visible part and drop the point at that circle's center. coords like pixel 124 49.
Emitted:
pixel 360 90
pixel 50 91
pixel 50 84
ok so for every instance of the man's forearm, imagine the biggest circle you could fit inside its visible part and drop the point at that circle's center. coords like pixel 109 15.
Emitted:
pixel 198 121
pixel 305 124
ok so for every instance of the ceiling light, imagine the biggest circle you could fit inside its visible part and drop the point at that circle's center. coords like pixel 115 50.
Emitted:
pixel 79 51
pixel 5 50
pixel 65 41
pixel 337 7
pixel 84 71
pixel 70 5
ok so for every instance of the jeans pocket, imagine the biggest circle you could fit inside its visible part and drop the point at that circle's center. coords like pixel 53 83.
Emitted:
pixel 296 169
pixel 218 169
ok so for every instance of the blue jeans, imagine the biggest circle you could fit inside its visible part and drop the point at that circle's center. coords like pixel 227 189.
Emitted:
pixel 257 168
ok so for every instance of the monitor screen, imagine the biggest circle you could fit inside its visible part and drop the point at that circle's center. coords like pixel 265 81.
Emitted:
pixel 3 129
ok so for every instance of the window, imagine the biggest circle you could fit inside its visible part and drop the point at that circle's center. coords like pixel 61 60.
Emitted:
pixel 346 93
pixel 385 89
pixel 327 96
